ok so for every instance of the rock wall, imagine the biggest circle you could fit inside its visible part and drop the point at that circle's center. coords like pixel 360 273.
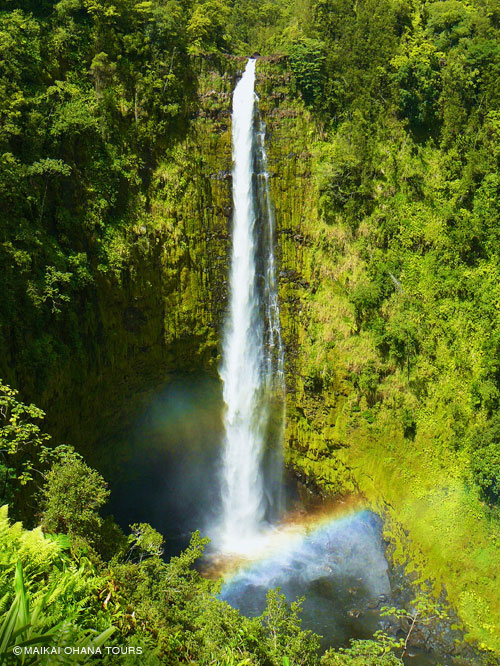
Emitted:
pixel 315 384
pixel 346 428
pixel 161 313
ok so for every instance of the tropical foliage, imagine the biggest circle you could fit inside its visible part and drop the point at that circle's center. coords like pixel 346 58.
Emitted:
pixel 400 318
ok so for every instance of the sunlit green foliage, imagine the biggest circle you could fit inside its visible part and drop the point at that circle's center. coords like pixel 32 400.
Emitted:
pixel 23 627
pixel 20 436
pixel 399 342
pixel 54 594
pixel 26 451
pixel 282 634
pixel 72 495
pixel 144 541
pixel 362 653
pixel 398 376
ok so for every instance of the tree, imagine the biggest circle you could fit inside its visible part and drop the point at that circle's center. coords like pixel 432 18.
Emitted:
pixel 362 653
pixel 418 78
pixel 144 541
pixel 206 27
pixel 485 466
pixel 307 60
pixel 283 634
pixel 71 498
pixel 20 437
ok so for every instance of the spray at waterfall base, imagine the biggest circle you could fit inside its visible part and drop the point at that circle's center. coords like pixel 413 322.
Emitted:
pixel 333 555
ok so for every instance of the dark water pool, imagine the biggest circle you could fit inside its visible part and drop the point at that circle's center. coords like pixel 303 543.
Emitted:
pixel 340 569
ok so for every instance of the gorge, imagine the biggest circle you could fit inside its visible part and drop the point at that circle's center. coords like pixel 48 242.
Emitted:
pixel 338 561
pixel 131 319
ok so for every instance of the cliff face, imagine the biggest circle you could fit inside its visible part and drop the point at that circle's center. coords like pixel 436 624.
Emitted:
pixel 316 388
pixel 355 421
pixel 159 313
pixel 162 312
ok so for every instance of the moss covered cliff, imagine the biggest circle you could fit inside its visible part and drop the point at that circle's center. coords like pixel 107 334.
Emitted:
pixel 358 417
pixel 355 418
pixel 159 311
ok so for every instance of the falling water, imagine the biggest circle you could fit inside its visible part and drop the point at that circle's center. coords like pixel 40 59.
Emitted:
pixel 252 367
pixel 274 372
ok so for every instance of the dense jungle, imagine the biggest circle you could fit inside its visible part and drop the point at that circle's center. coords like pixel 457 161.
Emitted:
pixel 383 142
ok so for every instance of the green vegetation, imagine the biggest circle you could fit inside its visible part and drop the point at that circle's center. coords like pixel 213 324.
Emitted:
pixel 76 580
pixel 21 625
pixel 94 95
pixel 114 143
pixel 390 288
pixel 362 653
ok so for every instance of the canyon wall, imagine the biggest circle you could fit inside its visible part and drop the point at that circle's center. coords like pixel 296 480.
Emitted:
pixel 350 416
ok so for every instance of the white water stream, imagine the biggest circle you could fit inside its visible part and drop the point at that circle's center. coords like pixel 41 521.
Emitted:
pixel 252 364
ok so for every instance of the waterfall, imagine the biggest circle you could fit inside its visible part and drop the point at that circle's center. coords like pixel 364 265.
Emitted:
pixel 274 371
pixel 252 360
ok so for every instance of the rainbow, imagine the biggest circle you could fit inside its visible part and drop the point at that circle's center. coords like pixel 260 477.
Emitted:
pixel 296 530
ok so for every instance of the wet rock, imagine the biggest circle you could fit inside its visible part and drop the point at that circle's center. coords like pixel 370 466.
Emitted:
pixel 133 319
pixel 224 174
